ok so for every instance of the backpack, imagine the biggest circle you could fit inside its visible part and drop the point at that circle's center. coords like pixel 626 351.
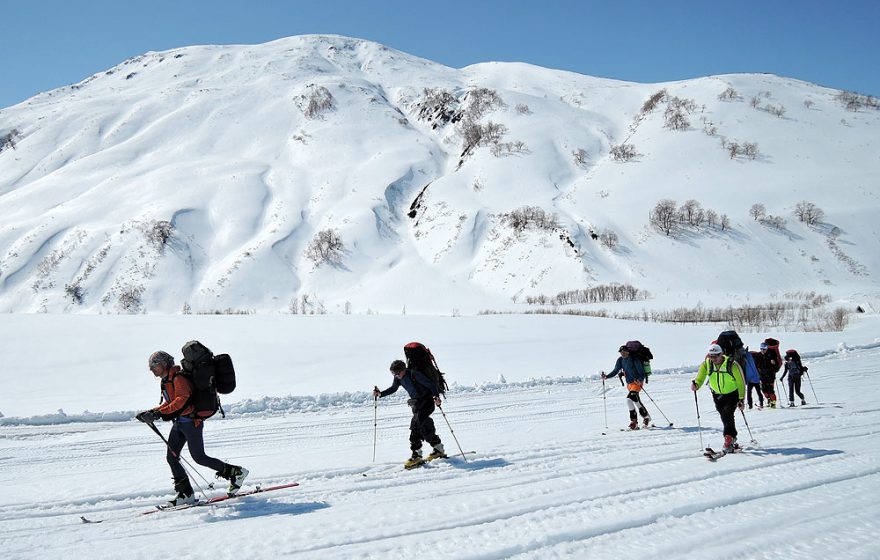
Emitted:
pixel 419 357
pixel 773 346
pixel 751 368
pixel 730 342
pixel 796 358
pixel 643 353
pixel 210 375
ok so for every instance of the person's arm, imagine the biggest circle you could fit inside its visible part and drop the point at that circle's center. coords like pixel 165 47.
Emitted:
pixel 701 376
pixel 740 381
pixel 391 390
pixel 618 368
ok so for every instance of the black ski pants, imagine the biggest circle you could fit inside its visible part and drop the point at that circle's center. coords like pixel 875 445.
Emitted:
pixel 185 432
pixel 726 407
pixel 794 387
pixel 757 388
pixel 421 428
pixel 634 402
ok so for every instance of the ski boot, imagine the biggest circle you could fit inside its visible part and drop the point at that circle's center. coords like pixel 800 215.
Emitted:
pixel 729 444
pixel 772 404
pixel 415 460
pixel 790 404
pixel 646 421
pixel 803 402
pixel 185 494
pixel 235 475
pixel 436 453
pixel 633 425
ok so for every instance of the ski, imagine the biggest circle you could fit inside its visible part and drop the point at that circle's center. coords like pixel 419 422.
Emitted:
pixel 713 455
pixel 409 465
pixel 218 499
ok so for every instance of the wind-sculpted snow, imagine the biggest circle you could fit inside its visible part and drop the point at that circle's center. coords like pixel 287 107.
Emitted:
pixel 247 152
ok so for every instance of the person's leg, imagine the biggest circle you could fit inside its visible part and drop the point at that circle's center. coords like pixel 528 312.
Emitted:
pixel 726 407
pixel 631 399
pixel 426 423
pixel 176 440
pixel 196 445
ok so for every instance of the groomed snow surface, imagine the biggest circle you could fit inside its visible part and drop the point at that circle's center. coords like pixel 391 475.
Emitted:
pixel 548 479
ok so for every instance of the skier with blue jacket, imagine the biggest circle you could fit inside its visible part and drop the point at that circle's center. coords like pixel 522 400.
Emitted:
pixel 633 369
pixel 424 396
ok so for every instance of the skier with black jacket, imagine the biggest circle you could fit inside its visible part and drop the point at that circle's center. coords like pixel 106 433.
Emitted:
pixel 767 364
pixel 794 369
pixel 424 397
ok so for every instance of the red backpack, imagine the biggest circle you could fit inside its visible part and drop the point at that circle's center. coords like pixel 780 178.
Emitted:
pixel 773 346
pixel 419 357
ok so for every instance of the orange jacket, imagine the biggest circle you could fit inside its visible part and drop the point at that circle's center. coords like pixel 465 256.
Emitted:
pixel 176 392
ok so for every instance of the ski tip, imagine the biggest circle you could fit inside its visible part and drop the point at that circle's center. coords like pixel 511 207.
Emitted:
pixel 84 520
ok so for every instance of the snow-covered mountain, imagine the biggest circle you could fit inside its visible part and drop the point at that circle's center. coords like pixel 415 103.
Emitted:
pixel 200 177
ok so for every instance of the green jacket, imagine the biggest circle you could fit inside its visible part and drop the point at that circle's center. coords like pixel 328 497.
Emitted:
pixel 723 380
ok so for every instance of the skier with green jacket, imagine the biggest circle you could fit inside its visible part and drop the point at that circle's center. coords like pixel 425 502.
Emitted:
pixel 728 390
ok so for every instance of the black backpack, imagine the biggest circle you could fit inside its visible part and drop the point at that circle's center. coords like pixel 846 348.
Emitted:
pixel 419 357
pixel 643 353
pixel 730 342
pixel 210 375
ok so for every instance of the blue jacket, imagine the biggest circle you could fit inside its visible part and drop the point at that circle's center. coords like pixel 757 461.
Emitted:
pixel 416 384
pixel 632 367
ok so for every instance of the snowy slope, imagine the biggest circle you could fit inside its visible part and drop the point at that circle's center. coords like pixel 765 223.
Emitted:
pixel 217 141
pixel 550 480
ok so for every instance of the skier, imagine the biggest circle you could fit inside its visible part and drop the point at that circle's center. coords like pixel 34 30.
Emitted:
pixel 176 392
pixel 424 396
pixel 728 390
pixel 768 365
pixel 753 381
pixel 632 368
pixel 794 369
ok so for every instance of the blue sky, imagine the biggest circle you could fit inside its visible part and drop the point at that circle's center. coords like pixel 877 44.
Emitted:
pixel 53 43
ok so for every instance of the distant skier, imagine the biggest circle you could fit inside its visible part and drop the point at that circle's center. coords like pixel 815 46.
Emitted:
pixel 424 396
pixel 176 392
pixel 728 390
pixel 768 364
pixel 632 368
pixel 794 369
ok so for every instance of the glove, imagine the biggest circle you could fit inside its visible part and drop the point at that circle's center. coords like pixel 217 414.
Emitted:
pixel 741 405
pixel 437 401
pixel 376 392
pixel 694 386
pixel 148 416
pixel 806 369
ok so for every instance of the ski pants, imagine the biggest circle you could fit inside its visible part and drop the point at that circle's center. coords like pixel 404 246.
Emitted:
pixel 633 401
pixel 421 427
pixel 768 386
pixel 794 387
pixel 757 388
pixel 726 407
pixel 185 431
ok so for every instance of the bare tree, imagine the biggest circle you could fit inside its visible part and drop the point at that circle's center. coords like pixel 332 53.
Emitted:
pixel 609 239
pixel 691 212
pixel 775 222
pixel 728 95
pixel 808 213
pixel 523 109
pixel 8 139
pixel 757 211
pixel 778 111
pixel 750 150
pixel 755 102
pixel 315 101
pixel 724 222
pixel 623 152
pixel 663 216
pixel 733 149
pixel 711 218
pixel 808 103
pixel 580 156
pixel 325 247
pixel 653 101
pixel 476 135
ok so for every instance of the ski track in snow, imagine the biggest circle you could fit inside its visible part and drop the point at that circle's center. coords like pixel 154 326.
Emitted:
pixel 545 482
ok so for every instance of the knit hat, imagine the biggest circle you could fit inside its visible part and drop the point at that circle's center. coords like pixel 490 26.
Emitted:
pixel 715 350
pixel 160 357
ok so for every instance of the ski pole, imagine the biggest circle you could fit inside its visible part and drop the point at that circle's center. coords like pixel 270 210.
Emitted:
pixel 453 434
pixel 699 426
pixel 604 399
pixel 375 423
pixel 784 393
pixel 183 462
pixel 655 404
pixel 753 441
pixel 811 386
